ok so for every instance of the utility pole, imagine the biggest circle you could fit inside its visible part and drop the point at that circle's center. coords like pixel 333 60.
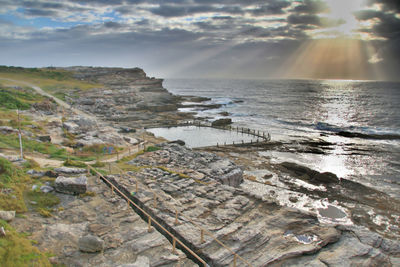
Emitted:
pixel 19 136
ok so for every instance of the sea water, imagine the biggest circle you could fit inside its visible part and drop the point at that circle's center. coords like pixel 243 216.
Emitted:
pixel 315 110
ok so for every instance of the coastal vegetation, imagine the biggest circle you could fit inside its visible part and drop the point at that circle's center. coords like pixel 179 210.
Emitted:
pixel 58 82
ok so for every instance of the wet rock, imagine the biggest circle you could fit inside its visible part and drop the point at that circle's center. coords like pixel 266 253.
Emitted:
pixel 7 215
pixel 91 244
pixel 179 142
pixel 71 185
pixel 308 174
pixel 221 122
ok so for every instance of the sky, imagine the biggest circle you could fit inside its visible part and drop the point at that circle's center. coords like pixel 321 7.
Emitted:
pixel 321 39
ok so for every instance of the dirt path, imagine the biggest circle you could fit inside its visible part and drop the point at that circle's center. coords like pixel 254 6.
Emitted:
pixel 45 162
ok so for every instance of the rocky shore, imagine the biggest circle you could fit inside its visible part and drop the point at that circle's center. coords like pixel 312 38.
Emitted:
pixel 270 214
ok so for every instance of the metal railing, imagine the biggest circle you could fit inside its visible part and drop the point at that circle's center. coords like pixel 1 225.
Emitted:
pixel 179 215
pixel 150 219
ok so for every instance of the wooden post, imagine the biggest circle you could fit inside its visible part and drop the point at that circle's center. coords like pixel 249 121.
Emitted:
pixel 112 192
pixel 149 226
pixel 88 170
pixel 202 236
pixel 20 137
pixel 234 260
pixel 137 186
pixel 173 245
pixel 155 200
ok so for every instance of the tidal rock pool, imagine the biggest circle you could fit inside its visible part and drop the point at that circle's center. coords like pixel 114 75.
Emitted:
pixel 195 136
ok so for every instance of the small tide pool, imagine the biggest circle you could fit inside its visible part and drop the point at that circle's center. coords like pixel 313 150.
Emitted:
pixel 195 136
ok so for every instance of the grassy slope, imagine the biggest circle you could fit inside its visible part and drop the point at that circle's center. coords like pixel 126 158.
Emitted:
pixel 15 185
pixel 54 81
pixel 15 248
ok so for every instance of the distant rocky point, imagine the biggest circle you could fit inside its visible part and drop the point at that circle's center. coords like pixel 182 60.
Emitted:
pixel 126 95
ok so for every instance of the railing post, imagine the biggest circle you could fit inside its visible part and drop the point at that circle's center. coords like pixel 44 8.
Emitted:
pixel 202 236
pixel 234 260
pixel 155 200
pixel 137 186
pixel 88 170
pixel 112 192
pixel 173 245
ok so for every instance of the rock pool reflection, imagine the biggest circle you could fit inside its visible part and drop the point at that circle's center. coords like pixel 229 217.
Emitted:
pixel 202 136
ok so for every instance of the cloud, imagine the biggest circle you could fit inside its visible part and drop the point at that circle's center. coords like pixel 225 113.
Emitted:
pixel 156 33
pixel 314 20
pixel 311 7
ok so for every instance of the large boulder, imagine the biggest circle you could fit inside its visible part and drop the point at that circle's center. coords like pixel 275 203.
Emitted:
pixel 90 243
pixel 69 170
pixel 232 178
pixel 71 185
pixel 7 215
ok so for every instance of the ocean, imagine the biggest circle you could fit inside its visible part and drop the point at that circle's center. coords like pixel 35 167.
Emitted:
pixel 357 121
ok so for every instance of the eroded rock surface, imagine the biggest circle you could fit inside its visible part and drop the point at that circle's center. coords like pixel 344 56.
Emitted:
pixel 106 217
pixel 201 165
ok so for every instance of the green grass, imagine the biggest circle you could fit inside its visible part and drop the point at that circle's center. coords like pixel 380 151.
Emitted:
pixel 23 98
pixel 13 179
pixel 55 81
pixel 44 202
pixel 16 250
pixel 12 141
pixel 74 163
pixel 152 149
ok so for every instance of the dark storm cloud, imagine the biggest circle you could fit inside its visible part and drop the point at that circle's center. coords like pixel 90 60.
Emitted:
pixel 388 24
pixel 311 7
pixel 388 5
pixel 271 8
